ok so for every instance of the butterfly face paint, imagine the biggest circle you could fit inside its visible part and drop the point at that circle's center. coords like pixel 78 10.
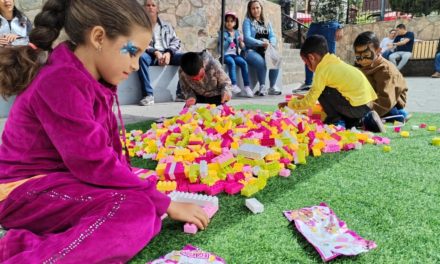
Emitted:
pixel 130 49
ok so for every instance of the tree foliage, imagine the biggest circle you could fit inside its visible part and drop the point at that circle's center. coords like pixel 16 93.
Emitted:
pixel 416 7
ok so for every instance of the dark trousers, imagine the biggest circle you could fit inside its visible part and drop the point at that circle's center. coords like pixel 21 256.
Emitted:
pixel 338 108
pixel 217 100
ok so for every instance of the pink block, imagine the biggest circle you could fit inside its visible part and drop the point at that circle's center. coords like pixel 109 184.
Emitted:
pixel 195 188
pixel 240 175
pixel 267 142
pixel 336 136
pixel 285 161
pixel 422 125
pixel 349 146
pixel 331 148
pixel 284 173
pixel 397 129
pixel 210 210
pixel 247 168
pixel 190 228
pixel 233 187
pixel 215 189
pixel 182 187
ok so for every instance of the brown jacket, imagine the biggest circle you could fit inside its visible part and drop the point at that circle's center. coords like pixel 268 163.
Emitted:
pixel 389 84
pixel 215 82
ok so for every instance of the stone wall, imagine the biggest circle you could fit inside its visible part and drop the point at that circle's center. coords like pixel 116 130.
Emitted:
pixel 196 22
pixel 424 28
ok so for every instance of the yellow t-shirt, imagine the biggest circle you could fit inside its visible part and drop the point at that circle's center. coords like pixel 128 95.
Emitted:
pixel 335 73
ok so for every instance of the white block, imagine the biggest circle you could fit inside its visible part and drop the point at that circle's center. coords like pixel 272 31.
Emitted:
pixel 199 199
pixel 254 205
pixel 254 151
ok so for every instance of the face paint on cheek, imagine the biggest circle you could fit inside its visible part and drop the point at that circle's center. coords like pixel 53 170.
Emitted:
pixel 366 54
pixel 129 48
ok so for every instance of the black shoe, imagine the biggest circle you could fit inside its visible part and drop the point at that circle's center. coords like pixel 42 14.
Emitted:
pixel 372 122
pixel 179 98
pixel 303 88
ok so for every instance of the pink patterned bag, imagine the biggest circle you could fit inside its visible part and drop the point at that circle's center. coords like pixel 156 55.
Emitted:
pixel 329 235
pixel 189 254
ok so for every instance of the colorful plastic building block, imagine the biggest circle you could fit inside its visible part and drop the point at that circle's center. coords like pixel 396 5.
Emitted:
pixel 432 128
pixel 386 148
pixel 436 141
pixel 415 128
pixel 254 151
pixel 404 134
pixel 422 125
pixel 198 199
pixel 284 173
pixel 254 205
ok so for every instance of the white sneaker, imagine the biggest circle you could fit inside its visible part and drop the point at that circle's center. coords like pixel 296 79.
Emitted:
pixel 274 90
pixel 235 89
pixel 147 100
pixel 262 91
pixel 248 92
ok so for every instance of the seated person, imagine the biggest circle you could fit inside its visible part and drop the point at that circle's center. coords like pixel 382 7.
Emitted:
pixel 203 80
pixel 14 26
pixel 164 49
pixel 387 81
pixel 387 44
pixel 437 63
pixel 342 90
pixel 403 46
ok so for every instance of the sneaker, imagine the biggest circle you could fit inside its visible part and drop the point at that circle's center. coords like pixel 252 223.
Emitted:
pixel 180 98
pixel 235 89
pixel 2 232
pixel 372 122
pixel 274 90
pixel 303 87
pixel 147 100
pixel 262 91
pixel 248 92
pixel 436 75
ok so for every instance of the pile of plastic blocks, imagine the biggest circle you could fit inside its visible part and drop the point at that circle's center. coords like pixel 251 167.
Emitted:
pixel 219 149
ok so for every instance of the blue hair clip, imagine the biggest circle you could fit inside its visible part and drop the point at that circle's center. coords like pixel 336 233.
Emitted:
pixel 129 48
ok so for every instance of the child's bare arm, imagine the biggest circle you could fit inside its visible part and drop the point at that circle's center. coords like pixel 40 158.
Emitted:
pixel 188 212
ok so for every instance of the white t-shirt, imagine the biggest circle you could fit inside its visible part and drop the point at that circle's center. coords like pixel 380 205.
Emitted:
pixel 158 38
pixel 384 43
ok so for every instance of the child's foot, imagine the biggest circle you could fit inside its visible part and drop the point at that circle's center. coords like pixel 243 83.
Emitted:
pixel 248 92
pixel 372 122
pixel 235 89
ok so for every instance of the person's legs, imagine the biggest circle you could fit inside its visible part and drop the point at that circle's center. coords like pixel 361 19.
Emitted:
pixel 387 54
pixel 405 57
pixel 273 75
pixel 145 62
pixel 394 56
pixel 244 69
pixel 175 61
pixel 394 115
pixel 255 60
pixel 436 66
pixel 229 60
pixel 62 219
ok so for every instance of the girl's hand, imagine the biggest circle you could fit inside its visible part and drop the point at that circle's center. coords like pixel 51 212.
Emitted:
pixel 188 212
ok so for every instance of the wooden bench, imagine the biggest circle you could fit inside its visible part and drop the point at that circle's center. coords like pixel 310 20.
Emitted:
pixel 421 62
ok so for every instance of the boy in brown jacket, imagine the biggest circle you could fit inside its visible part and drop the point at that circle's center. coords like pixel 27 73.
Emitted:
pixel 386 79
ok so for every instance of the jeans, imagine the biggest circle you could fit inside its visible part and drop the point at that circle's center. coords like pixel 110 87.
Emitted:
pixel 232 61
pixel 403 56
pixel 437 62
pixel 144 63
pixel 387 54
pixel 328 31
pixel 255 60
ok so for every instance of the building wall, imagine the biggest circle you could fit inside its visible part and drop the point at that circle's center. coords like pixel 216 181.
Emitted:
pixel 196 22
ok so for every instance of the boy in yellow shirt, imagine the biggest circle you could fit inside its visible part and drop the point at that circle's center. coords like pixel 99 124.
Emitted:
pixel 343 91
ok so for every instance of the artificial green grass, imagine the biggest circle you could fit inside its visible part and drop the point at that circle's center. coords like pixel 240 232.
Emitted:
pixel 392 198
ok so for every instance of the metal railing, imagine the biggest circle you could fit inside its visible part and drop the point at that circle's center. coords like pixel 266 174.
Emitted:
pixel 293 30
